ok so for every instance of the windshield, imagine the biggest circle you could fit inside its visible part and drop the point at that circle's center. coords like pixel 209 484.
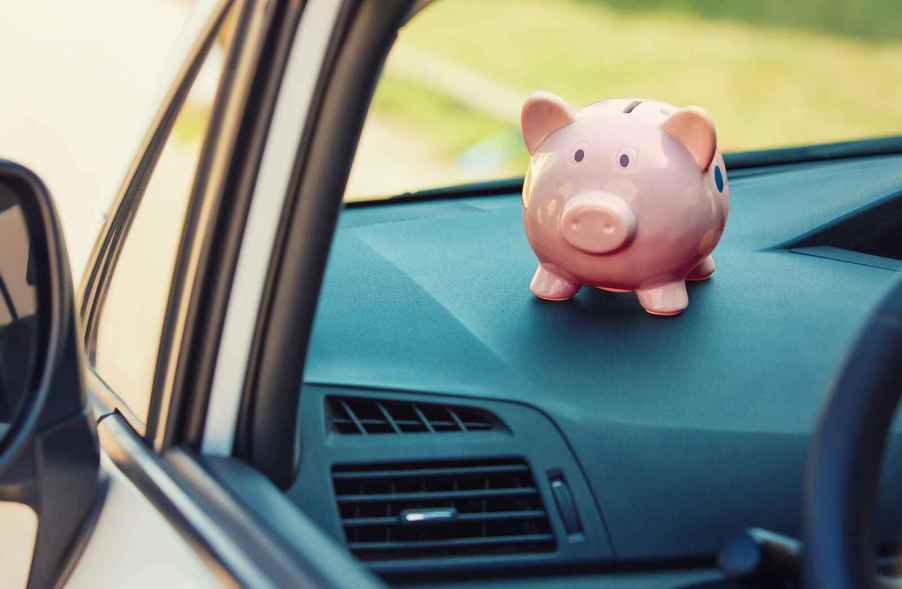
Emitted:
pixel 770 73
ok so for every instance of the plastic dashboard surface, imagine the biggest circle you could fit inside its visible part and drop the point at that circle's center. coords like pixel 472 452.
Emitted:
pixel 688 428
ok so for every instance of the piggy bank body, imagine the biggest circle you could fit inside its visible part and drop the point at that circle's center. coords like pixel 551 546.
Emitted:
pixel 623 195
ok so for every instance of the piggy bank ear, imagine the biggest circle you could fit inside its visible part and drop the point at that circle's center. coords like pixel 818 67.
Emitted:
pixel 692 127
pixel 543 113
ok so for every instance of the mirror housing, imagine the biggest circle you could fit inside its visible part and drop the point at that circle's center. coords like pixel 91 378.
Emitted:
pixel 49 456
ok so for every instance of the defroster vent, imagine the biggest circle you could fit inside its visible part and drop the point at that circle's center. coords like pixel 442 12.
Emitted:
pixel 363 415
pixel 441 509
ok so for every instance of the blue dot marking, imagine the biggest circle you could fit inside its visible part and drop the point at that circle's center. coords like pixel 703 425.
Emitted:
pixel 718 178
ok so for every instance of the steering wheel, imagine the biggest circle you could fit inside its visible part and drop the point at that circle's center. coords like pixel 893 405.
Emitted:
pixel 843 473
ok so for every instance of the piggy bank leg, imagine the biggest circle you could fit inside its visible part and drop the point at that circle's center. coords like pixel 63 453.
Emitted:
pixel 668 299
pixel 550 286
pixel 703 270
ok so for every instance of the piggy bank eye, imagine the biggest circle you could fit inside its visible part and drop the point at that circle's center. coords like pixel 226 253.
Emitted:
pixel 718 178
pixel 626 158
pixel 579 151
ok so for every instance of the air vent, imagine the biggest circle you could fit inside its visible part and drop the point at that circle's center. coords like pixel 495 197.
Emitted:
pixel 362 416
pixel 441 509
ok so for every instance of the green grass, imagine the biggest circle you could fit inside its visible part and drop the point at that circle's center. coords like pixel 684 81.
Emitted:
pixel 771 73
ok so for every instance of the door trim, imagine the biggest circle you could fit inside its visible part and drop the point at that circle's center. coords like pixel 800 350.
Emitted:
pixel 204 216
pixel 201 531
pixel 226 535
pixel 292 109
pixel 266 435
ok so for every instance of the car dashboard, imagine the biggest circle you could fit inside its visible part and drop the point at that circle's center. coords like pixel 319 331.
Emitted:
pixel 454 427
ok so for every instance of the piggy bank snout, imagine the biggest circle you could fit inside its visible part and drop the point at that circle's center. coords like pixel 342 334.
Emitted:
pixel 597 222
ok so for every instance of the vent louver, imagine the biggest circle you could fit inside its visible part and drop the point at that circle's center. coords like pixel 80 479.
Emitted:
pixel 441 509
pixel 362 416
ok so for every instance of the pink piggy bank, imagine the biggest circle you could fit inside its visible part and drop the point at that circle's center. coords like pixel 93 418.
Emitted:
pixel 623 195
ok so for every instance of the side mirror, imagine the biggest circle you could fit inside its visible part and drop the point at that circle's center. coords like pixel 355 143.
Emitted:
pixel 49 458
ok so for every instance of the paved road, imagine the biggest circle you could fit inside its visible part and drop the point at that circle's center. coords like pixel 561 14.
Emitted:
pixel 80 83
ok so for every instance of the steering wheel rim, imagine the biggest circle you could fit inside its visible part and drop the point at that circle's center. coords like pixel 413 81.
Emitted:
pixel 843 473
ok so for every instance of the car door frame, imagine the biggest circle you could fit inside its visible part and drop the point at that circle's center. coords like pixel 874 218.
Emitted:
pixel 217 203
pixel 238 550
pixel 342 45
pixel 228 355
pixel 264 434
pixel 162 461
pixel 242 546
pixel 108 245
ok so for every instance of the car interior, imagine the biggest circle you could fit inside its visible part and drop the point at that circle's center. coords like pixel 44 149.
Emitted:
pixel 443 427
pixel 454 430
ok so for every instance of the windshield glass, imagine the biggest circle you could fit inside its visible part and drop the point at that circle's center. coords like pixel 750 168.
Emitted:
pixel 771 73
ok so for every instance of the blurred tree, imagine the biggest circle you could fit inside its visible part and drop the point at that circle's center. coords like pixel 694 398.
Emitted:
pixel 865 19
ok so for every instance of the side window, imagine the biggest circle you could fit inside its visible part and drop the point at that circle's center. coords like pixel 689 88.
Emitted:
pixel 131 315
